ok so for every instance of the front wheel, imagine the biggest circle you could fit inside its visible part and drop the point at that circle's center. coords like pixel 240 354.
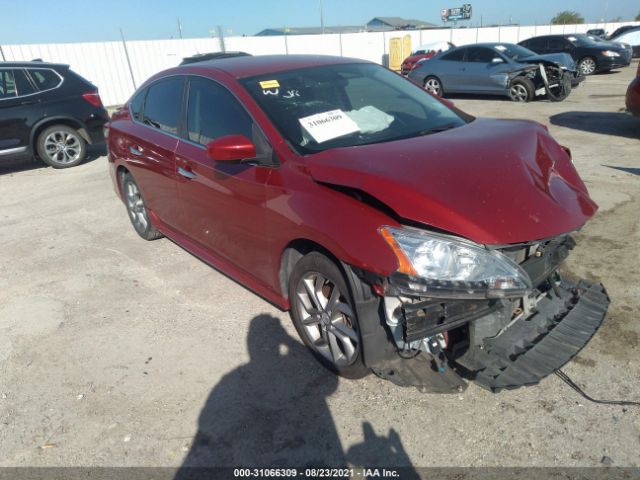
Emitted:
pixel 323 313
pixel 521 90
pixel 60 146
pixel 587 66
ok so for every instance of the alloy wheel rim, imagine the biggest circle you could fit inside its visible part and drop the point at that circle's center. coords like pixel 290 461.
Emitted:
pixel 135 207
pixel 62 147
pixel 433 86
pixel 328 320
pixel 519 93
pixel 588 66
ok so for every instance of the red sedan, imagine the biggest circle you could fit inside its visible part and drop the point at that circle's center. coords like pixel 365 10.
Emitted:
pixel 406 237
pixel 633 95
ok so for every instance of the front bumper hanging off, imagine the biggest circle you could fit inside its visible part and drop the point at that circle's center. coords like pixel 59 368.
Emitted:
pixel 525 351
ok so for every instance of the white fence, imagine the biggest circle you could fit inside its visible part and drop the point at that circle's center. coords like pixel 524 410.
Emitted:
pixel 106 65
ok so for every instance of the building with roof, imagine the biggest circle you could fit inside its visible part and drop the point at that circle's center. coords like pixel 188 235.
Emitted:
pixel 377 24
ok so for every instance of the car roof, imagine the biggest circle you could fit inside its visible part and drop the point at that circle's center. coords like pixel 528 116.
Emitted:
pixel 33 64
pixel 241 67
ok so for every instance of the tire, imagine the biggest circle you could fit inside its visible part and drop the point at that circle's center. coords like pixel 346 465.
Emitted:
pixel 327 324
pixel 521 90
pixel 137 209
pixel 434 85
pixel 587 66
pixel 564 92
pixel 60 146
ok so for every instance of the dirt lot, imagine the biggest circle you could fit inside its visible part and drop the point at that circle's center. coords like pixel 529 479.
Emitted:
pixel 114 350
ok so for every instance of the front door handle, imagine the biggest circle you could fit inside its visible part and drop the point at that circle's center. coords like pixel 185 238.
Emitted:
pixel 186 173
pixel 135 151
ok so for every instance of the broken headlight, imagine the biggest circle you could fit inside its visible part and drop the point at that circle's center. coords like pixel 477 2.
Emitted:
pixel 437 265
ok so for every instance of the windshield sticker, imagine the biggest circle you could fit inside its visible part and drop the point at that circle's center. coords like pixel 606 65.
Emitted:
pixel 328 125
pixel 266 84
pixel 291 94
pixel 502 48
pixel 572 39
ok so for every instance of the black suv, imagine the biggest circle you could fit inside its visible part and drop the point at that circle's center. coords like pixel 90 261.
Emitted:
pixel 48 110
pixel 590 56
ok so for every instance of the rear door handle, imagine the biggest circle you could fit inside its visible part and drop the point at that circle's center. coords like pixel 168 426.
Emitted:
pixel 186 173
pixel 135 151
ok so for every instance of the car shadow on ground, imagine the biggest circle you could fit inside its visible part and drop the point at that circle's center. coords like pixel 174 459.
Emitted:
pixel 605 123
pixel 272 412
pixel 25 164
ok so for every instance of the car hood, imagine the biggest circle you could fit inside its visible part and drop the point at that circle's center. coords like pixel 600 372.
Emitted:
pixel 562 59
pixel 491 181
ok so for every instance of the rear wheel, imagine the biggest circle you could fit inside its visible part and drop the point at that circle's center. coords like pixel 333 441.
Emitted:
pixel 60 146
pixel 521 90
pixel 137 209
pixel 323 313
pixel 433 85
pixel 587 66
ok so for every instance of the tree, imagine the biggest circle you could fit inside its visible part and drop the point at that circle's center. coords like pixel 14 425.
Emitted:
pixel 638 18
pixel 567 18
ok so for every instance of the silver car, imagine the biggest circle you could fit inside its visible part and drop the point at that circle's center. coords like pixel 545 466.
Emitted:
pixel 498 69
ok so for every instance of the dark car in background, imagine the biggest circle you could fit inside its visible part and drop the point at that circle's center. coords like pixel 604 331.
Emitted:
pixel 633 95
pixel 405 236
pixel 590 56
pixel 498 69
pixel 50 111
pixel 598 32
pixel 631 37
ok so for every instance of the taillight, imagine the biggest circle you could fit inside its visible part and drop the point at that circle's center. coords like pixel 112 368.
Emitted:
pixel 93 98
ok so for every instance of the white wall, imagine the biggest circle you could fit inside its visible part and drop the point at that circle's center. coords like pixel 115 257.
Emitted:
pixel 105 63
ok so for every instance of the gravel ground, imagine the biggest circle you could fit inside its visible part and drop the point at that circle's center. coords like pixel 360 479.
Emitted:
pixel 114 351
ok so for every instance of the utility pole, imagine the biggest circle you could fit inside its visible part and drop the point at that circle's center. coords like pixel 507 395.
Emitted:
pixel 321 17
pixel 179 28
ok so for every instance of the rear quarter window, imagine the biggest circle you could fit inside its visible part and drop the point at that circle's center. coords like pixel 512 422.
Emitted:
pixel 44 78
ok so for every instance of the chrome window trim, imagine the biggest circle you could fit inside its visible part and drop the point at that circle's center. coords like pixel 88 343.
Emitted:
pixel 38 92
pixel 9 151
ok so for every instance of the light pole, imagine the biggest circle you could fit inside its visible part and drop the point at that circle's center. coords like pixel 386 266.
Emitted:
pixel 321 17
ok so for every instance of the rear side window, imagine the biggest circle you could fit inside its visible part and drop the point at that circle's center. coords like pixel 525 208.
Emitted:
pixel 480 55
pixel 23 84
pixel 214 112
pixel 45 79
pixel 163 105
pixel 136 105
pixel 557 43
pixel 536 43
pixel 7 84
pixel 455 56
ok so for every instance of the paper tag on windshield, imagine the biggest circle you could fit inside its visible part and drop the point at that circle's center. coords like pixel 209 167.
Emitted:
pixel 328 125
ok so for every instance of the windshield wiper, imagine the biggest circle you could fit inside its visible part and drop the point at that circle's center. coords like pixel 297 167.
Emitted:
pixel 439 129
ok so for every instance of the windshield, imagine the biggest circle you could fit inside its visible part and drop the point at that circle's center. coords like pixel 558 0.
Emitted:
pixel 514 52
pixel 581 40
pixel 319 108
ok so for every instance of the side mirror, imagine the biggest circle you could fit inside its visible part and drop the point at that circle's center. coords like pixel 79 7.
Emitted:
pixel 497 60
pixel 230 148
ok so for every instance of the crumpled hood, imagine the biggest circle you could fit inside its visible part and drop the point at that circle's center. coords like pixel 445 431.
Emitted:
pixel 492 181
pixel 563 59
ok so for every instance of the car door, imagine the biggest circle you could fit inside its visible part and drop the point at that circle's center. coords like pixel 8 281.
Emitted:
pixel 16 115
pixel 482 74
pixel 149 143
pixel 450 69
pixel 222 202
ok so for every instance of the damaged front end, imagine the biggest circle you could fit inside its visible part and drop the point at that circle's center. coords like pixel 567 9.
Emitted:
pixel 508 329
pixel 551 79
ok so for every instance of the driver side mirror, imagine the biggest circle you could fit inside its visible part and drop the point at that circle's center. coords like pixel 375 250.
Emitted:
pixel 231 148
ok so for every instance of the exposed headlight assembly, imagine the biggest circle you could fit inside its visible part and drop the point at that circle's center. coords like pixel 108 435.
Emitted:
pixel 609 53
pixel 441 266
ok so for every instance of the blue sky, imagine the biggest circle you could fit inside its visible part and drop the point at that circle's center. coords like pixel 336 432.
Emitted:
pixel 43 21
